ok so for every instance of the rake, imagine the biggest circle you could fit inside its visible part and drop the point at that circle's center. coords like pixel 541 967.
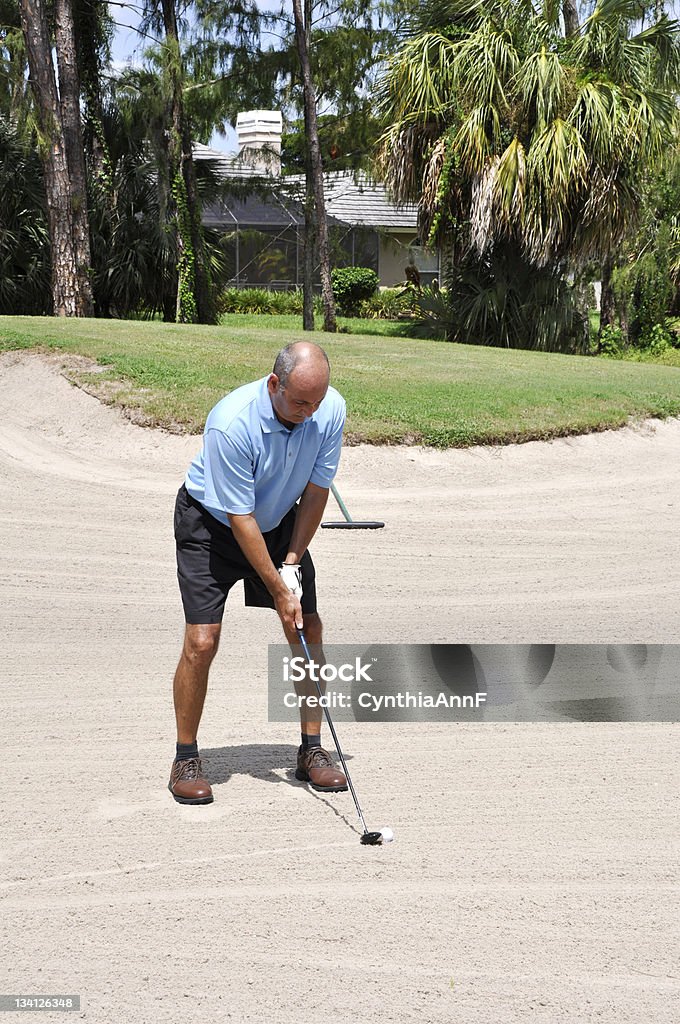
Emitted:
pixel 349 523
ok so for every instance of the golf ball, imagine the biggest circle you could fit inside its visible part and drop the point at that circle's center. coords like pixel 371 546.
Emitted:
pixel 387 834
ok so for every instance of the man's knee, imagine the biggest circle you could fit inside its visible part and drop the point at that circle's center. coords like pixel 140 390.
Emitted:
pixel 313 628
pixel 201 641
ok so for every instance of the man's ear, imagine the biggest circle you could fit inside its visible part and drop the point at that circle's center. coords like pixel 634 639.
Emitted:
pixel 273 384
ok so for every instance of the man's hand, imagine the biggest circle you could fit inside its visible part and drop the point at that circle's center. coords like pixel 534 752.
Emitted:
pixel 289 610
pixel 291 574
pixel 250 540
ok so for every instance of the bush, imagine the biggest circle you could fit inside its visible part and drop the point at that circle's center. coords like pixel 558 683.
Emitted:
pixel 352 286
pixel 503 300
pixel 644 294
pixel 656 340
pixel 262 300
pixel 611 342
pixel 384 305
pixel 673 324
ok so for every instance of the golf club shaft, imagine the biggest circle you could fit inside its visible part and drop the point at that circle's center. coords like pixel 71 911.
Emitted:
pixel 308 656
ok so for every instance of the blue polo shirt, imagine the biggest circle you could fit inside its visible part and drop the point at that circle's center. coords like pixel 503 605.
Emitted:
pixel 251 462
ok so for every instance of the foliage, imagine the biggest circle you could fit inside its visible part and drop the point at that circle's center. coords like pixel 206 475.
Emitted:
pixel 386 304
pixel 24 235
pixel 244 57
pixel 345 141
pixel 133 250
pixel 657 340
pixel 643 291
pixel 538 139
pixel 526 149
pixel 504 302
pixel 433 316
pixel 351 286
pixel 611 342
pixel 262 300
pixel 647 285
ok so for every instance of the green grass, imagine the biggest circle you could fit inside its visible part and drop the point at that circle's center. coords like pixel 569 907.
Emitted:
pixel 397 390
pixel 291 322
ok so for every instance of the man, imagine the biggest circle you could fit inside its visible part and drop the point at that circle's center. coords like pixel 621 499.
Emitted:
pixel 265 446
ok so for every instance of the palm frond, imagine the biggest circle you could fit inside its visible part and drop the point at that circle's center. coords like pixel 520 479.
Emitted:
pixel 557 164
pixel 485 62
pixel 541 81
pixel 482 206
pixel 419 78
pixel 510 186
pixel 402 154
pixel 477 137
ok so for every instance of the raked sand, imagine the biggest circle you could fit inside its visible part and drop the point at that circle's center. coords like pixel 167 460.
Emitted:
pixel 534 876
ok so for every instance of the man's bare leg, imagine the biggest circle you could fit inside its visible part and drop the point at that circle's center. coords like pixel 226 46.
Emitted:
pixel 317 768
pixel 313 630
pixel 190 685
pixel 191 678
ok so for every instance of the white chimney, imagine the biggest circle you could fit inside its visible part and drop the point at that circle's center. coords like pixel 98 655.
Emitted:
pixel 259 132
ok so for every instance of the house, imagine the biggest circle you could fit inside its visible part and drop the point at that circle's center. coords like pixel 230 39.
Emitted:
pixel 262 221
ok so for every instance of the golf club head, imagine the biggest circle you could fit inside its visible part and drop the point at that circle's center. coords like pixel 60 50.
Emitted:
pixel 372 838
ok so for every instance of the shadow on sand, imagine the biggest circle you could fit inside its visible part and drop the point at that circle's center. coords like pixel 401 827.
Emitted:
pixel 270 762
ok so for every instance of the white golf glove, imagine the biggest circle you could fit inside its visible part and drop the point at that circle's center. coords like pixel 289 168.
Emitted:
pixel 292 577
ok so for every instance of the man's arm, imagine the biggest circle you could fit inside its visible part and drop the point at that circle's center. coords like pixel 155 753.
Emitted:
pixel 249 538
pixel 308 516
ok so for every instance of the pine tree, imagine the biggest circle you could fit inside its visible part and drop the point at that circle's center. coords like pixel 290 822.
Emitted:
pixel 68 270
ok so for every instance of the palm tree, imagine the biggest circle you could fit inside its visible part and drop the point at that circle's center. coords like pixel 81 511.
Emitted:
pixel 511 133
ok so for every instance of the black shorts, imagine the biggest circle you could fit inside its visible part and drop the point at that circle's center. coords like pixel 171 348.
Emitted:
pixel 210 562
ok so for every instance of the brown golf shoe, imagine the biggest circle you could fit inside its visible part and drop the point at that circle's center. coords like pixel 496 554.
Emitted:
pixel 315 766
pixel 188 784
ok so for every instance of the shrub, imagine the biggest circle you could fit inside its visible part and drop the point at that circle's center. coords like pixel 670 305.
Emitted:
pixel 352 286
pixel 611 342
pixel 262 300
pixel 503 300
pixel 673 324
pixel 656 340
pixel 384 305
pixel 24 236
pixel 644 293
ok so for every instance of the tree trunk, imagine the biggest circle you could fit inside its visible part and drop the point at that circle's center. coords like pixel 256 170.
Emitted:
pixel 308 255
pixel 194 287
pixel 91 42
pixel 570 15
pixel 205 305
pixel 69 91
pixel 185 307
pixel 302 27
pixel 65 286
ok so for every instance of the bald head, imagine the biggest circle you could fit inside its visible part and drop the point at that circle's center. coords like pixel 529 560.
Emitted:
pixel 307 361
pixel 298 382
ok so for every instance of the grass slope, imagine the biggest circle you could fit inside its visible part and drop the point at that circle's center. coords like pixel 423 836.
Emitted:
pixel 397 390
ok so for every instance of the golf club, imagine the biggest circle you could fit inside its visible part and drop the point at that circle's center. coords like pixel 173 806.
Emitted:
pixel 349 523
pixel 368 838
